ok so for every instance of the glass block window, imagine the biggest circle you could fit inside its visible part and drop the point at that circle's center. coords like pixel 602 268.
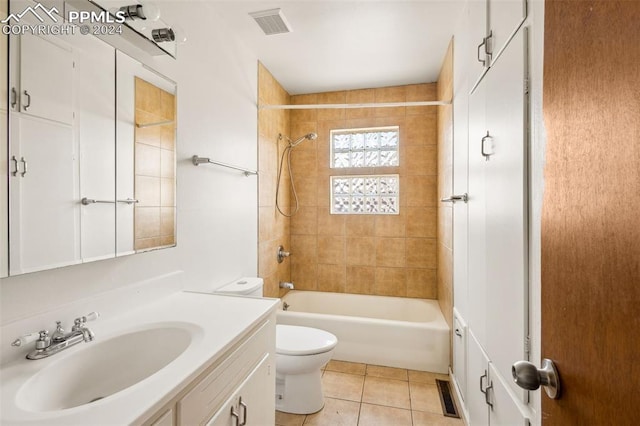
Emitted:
pixel 371 194
pixel 371 147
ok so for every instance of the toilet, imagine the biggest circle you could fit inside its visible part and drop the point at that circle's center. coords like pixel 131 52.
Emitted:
pixel 300 354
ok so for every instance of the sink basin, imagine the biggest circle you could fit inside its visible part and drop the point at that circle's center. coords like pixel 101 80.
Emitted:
pixel 103 368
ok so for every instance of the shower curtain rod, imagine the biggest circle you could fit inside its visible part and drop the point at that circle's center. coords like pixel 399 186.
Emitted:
pixel 367 105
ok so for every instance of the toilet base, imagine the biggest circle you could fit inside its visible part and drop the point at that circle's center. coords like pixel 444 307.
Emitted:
pixel 299 393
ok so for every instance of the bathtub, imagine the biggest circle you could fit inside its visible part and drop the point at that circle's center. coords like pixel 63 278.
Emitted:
pixel 389 331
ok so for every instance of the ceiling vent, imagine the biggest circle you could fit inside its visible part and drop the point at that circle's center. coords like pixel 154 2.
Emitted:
pixel 272 21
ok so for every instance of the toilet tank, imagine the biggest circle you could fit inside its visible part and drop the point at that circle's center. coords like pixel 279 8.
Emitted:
pixel 247 286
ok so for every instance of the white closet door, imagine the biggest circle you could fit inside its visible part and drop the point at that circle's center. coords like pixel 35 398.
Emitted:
pixel 505 411
pixel 477 382
pixel 506 210
pixel 505 16
pixel 44 213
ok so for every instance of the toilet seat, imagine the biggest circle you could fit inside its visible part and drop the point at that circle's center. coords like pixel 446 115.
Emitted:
pixel 296 340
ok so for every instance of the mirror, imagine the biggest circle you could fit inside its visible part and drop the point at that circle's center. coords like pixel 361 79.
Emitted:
pixel 89 178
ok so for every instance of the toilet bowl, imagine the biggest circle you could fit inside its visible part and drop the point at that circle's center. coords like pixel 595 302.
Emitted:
pixel 300 354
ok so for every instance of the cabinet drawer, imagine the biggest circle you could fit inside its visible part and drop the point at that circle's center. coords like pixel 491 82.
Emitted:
pixel 209 394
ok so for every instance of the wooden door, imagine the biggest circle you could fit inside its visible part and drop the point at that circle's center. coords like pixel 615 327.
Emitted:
pixel 591 211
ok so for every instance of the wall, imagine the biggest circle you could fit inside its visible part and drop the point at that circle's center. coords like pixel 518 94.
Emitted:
pixel 445 188
pixel 216 214
pixel 393 255
pixel 273 227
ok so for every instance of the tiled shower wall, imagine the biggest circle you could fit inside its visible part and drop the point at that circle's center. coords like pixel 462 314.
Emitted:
pixel 445 188
pixel 394 255
pixel 273 228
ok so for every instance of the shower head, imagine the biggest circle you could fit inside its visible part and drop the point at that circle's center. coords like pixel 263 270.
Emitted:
pixel 310 136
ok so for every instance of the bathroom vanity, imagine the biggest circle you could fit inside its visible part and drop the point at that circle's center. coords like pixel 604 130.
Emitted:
pixel 184 359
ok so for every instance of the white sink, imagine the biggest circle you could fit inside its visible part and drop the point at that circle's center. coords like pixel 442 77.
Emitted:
pixel 102 368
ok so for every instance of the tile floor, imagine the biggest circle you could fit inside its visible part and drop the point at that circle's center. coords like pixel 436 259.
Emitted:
pixel 363 395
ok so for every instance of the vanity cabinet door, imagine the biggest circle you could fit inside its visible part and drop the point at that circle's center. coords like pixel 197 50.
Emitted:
pixel 46 79
pixel 44 214
pixel 253 401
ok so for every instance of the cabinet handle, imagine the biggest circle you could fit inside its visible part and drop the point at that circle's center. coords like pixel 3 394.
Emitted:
pixel 486 153
pixel 15 165
pixel 486 395
pixel 28 104
pixel 234 414
pixel 24 166
pixel 484 376
pixel 484 61
pixel 244 408
pixel 14 98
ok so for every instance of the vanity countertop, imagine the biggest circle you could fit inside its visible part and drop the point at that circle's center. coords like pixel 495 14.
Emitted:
pixel 216 323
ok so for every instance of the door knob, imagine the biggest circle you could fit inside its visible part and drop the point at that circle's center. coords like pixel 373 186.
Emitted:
pixel 529 377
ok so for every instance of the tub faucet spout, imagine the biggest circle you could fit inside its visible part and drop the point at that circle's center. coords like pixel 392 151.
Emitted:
pixel 286 285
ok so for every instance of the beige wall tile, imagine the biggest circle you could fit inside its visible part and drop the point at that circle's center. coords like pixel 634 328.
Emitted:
pixel 332 278
pixel 147 161
pixel 363 96
pixel 266 223
pixel 330 224
pixel 360 225
pixel 420 93
pixel 421 191
pixel 391 225
pixel 421 222
pixel 301 128
pixel 391 94
pixel 390 282
pixel 147 191
pixel 147 222
pixel 267 190
pixel 304 248
pixel 332 98
pixel 167 164
pixel 306 189
pixel 305 275
pixel 360 279
pixel 323 198
pixel 305 222
pixel 331 250
pixel 301 115
pixel 390 252
pixel 148 135
pixel 147 96
pixel 167 221
pixel 266 255
pixel 167 240
pixel 168 137
pixel 421 160
pixel 361 251
pixel 420 130
pixel 167 192
pixel 147 243
pixel 167 105
pixel 421 253
pixel 303 162
pixel 422 283
pixel 445 226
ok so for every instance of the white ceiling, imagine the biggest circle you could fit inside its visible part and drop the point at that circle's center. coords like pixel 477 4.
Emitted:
pixel 338 45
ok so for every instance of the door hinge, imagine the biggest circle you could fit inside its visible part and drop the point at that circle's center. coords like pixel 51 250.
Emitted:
pixel 526 86
pixel 527 346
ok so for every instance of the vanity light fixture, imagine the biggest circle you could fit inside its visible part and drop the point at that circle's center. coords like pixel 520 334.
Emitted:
pixel 147 12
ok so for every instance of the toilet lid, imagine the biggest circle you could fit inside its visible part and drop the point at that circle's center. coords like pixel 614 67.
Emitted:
pixel 296 340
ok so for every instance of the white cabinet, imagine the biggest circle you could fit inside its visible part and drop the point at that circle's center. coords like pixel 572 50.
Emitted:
pixel 460 353
pixel 497 209
pixel 247 406
pixel 492 24
pixel 46 75
pixel 489 402
pixel 44 214
pixel 242 383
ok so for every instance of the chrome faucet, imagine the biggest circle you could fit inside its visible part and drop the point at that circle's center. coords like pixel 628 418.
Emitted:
pixel 60 340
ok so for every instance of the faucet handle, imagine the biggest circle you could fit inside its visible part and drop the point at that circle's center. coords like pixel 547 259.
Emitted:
pixel 26 339
pixel 91 316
